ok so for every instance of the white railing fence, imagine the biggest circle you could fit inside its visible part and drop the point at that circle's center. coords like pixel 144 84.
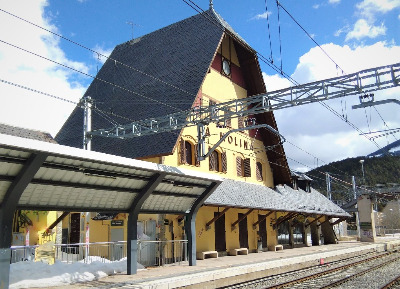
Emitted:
pixel 150 253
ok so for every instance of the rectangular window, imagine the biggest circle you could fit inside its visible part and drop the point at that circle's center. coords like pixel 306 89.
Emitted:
pixel 259 171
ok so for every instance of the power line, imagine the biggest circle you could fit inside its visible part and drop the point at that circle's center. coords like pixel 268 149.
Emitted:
pixel 269 32
pixel 337 66
pixel 98 53
pixel 305 31
pixel 87 74
pixel 103 113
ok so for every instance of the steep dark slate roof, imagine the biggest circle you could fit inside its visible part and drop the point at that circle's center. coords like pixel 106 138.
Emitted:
pixel 238 194
pixel 179 55
pixel 26 133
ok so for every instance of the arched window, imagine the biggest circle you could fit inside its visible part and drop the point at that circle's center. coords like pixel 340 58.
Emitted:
pixel 187 153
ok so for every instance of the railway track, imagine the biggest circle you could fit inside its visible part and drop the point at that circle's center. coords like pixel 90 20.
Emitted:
pixel 367 271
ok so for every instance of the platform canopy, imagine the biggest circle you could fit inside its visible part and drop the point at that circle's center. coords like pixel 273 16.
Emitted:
pixel 71 179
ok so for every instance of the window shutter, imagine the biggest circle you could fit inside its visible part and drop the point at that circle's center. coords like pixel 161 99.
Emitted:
pixel 259 171
pixel 196 156
pixel 224 166
pixel 239 166
pixel 247 168
pixel 182 152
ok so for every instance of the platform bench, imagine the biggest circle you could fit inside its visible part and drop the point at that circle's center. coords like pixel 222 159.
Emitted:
pixel 240 251
pixel 206 254
pixel 278 248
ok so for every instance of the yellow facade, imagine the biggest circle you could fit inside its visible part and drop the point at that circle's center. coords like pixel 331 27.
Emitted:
pixel 40 222
pixel 216 88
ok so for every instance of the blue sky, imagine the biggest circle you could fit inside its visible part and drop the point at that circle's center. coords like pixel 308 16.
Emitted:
pixel 357 34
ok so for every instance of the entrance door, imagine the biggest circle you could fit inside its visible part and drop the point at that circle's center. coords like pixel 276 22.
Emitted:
pixel 262 228
pixel 75 228
pixel 243 234
pixel 220 241
pixel 74 235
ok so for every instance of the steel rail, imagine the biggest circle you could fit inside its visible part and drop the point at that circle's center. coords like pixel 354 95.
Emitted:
pixel 343 280
pixel 391 284
pixel 319 274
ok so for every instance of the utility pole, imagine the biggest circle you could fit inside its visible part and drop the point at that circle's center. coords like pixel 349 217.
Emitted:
pixel 87 123
pixel 87 145
pixel 328 186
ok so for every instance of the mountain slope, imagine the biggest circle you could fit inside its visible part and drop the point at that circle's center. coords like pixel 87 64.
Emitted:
pixel 378 170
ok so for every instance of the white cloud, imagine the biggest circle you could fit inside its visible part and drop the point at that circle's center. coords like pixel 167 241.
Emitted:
pixel 362 29
pixel 344 29
pixel 368 8
pixel 264 15
pixel 334 1
pixel 318 131
pixel 21 107
pixel 275 82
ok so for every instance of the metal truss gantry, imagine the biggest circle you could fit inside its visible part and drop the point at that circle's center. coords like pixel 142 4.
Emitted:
pixel 364 81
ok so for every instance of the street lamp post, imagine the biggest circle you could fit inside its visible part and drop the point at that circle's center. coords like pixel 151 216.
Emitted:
pixel 362 169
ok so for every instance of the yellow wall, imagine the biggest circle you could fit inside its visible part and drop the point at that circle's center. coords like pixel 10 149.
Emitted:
pixel 41 221
pixel 219 88
pixel 205 239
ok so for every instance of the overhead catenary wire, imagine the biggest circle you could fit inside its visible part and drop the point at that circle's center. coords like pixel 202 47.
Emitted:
pixel 336 64
pixel 87 74
pixel 78 104
pixel 86 47
pixel 279 31
pixel 267 61
pixel 308 34
pixel 94 51
pixel 269 32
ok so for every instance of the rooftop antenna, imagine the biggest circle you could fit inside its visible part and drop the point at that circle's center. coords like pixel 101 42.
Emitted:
pixel 132 25
pixel 211 5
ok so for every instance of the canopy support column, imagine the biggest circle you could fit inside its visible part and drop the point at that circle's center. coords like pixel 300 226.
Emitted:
pixel 132 242
pixel 190 222
pixel 7 209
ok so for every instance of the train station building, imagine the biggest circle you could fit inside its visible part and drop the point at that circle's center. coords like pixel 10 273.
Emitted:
pixel 242 198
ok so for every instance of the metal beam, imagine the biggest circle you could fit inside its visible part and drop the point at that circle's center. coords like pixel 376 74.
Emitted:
pixel 137 203
pixel 201 137
pixel 352 84
pixel 7 209
pixel 208 225
pixel 241 218
pixel 373 103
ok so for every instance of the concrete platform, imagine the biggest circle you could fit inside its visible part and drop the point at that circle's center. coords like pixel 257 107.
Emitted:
pixel 216 272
